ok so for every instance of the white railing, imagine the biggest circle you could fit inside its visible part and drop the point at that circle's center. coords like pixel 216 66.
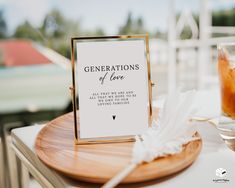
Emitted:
pixel 189 62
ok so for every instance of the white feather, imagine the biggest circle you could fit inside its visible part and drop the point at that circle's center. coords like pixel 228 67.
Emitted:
pixel 171 131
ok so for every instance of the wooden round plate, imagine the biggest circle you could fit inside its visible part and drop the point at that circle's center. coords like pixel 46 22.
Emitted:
pixel 100 162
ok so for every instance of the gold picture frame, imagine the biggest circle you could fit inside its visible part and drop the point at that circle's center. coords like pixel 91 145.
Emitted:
pixel 73 89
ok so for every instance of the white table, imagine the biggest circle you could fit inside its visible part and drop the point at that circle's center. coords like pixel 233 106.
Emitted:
pixel 214 155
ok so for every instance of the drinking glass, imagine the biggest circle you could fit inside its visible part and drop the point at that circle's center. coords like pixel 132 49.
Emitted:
pixel 226 71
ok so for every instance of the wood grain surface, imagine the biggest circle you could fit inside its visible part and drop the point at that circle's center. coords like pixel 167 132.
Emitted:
pixel 100 162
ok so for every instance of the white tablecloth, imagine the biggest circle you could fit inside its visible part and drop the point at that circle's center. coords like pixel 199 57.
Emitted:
pixel 201 173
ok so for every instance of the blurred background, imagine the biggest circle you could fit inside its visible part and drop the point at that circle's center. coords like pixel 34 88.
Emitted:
pixel 35 37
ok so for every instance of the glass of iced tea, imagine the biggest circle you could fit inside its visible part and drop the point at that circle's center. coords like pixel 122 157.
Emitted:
pixel 226 71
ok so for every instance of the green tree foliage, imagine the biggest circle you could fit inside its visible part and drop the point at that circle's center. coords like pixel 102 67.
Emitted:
pixel 99 32
pixel 224 17
pixel 54 24
pixel 132 26
pixel 55 32
pixel 96 32
pixel 159 35
pixel 27 31
pixel 3 25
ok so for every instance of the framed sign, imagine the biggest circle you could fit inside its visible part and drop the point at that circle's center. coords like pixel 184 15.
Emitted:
pixel 111 78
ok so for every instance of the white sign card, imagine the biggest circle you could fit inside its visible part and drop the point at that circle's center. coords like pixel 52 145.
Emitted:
pixel 112 85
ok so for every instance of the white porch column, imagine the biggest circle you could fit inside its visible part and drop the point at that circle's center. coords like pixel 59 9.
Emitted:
pixel 204 49
pixel 171 47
